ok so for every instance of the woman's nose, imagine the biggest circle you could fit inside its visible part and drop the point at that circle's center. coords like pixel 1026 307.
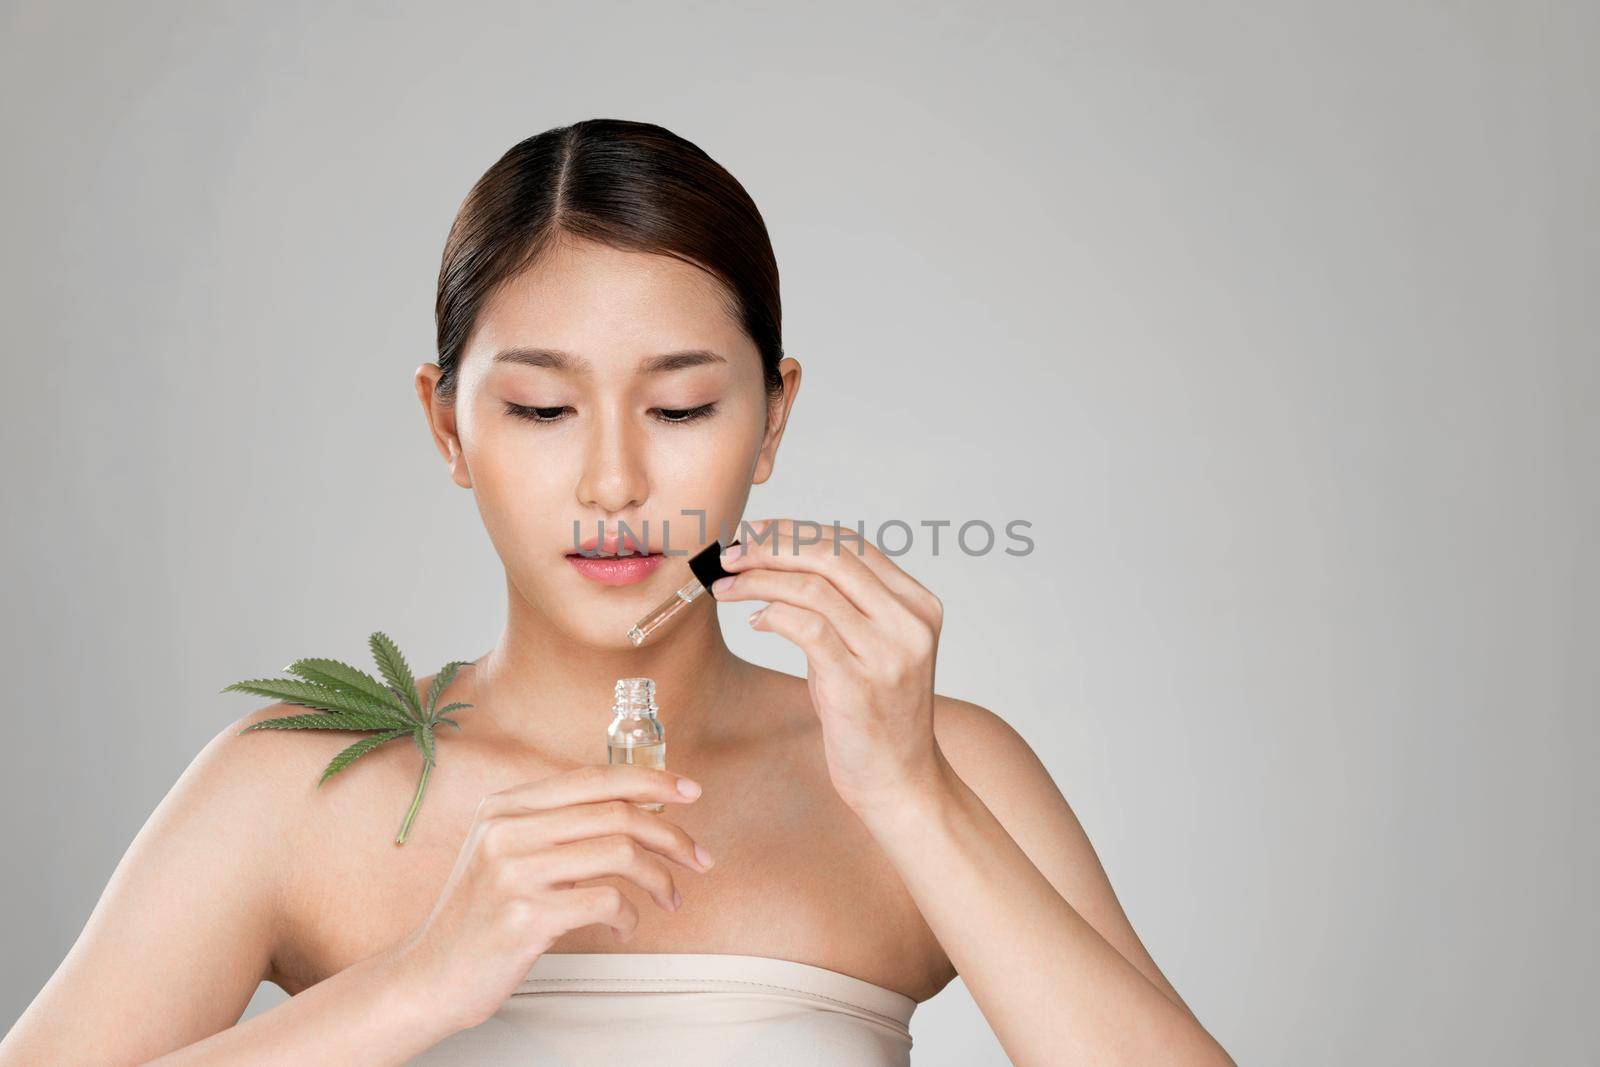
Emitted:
pixel 613 477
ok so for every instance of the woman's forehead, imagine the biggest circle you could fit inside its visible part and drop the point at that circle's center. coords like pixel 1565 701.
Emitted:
pixel 586 311
pixel 594 279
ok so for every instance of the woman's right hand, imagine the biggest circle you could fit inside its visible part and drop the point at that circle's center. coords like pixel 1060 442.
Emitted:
pixel 511 893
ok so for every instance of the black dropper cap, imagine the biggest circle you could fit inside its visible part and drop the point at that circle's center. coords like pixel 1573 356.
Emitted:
pixel 707 563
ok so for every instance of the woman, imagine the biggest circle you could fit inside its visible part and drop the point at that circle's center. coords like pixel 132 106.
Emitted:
pixel 609 361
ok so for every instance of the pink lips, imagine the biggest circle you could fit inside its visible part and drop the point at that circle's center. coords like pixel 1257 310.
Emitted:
pixel 616 570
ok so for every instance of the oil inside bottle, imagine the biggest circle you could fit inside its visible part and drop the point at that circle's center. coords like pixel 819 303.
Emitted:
pixel 636 734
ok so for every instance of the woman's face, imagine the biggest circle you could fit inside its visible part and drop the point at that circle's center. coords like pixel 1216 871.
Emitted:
pixel 565 412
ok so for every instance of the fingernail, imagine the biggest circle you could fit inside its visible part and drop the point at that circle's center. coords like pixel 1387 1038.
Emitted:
pixel 702 855
pixel 677 900
pixel 721 584
pixel 732 552
pixel 688 787
pixel 756 615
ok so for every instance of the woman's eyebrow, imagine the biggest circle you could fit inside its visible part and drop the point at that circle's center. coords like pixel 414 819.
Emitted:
pixel 554 359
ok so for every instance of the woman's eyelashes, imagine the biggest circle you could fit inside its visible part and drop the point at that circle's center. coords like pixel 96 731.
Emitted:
pixel 533 414
pixel 694 414
pixel 558 414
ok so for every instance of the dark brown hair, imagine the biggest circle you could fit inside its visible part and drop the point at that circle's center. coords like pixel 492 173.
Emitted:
pixel 629 185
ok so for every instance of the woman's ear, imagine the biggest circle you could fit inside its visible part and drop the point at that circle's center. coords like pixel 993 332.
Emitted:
pixel 442 423
pixel 777 418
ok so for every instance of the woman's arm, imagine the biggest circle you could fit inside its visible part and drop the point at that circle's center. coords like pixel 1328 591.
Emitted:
pixel 981 836
pixel 362 1015
pixel 1010 885
pixel 186 930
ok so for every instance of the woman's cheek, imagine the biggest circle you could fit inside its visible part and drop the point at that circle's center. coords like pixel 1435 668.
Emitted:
pixel 713 493
pixel 517 490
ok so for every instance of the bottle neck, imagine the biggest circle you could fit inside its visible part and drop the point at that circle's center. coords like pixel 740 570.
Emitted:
pixel 635 696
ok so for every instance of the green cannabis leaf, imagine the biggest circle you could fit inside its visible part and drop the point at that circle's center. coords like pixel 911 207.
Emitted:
pixel 352 699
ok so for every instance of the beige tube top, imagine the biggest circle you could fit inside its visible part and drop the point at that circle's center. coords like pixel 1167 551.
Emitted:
pixel 649 1009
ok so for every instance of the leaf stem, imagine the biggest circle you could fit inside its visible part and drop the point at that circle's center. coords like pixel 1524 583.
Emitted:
pixel 422 785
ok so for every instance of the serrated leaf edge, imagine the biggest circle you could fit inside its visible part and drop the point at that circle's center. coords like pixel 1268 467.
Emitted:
pixel 334 674
pixel 395 670
pixel 355 751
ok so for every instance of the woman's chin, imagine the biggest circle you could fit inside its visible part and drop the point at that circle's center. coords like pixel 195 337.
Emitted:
pixel 604 630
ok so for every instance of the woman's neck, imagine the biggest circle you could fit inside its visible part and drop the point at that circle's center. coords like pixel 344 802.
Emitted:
pixel 551 694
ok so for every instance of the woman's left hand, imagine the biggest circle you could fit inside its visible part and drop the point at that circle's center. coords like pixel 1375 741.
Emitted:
pixel 870 633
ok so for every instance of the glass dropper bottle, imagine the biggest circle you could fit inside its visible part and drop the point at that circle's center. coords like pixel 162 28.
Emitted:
pixel 707 567
pixel 636 734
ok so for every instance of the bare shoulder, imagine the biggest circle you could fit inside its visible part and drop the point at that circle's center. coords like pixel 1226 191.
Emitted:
pixel 270 780
pixel 287 763
pixel 991 756
pixel 315 821
pixel 268 761
pixel 996 762
pixel 240 800
pixel 191 909
pixel 233 795
pixel 250 810
pixel 964 723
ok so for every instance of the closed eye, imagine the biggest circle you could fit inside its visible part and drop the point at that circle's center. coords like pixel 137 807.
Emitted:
pixel 686 414
pixel 669 415
pixel 522 411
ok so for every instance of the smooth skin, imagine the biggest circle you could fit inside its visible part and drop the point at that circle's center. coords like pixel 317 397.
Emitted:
pixel 957 851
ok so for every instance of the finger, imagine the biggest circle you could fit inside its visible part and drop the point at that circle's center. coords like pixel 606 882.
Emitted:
pixel 591 782
pixel 810 631
pixel 599 857
pixel 844 541
pixel 587 904
pixel 812 591
pixel 848 573
pixel 891 616
pixel 519 833
pixel 782 537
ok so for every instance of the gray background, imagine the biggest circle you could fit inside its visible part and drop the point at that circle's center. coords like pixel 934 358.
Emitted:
pixel 1269 318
